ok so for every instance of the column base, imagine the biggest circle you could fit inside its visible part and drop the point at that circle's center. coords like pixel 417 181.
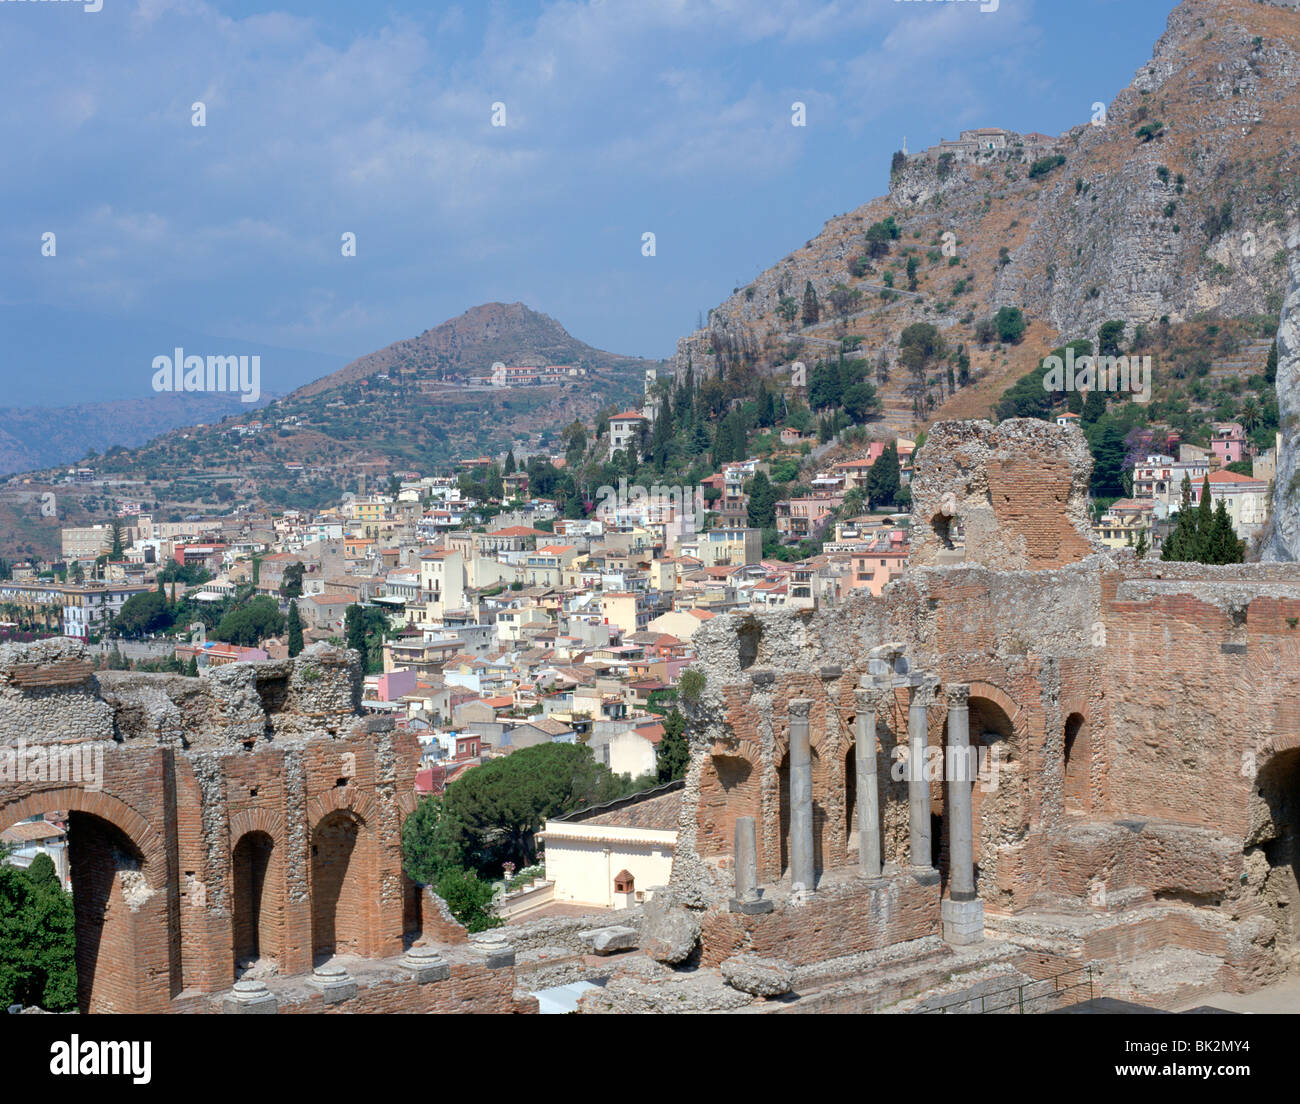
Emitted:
pixel 963 921
pixel 750 908
pixel 924 875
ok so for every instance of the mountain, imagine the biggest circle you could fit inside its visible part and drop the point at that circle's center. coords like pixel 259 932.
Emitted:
pixel 409 406
pixel 472 343
pixel 1171 205
pixel 37 437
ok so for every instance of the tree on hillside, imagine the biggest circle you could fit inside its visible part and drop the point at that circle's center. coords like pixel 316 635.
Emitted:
pixel 1204 532
pixel 364 628
pixel 825 385
pixel 496 809
pixel 1094 407
pixel 142 614
pixel 291 581
pixel 811 308
pixel 1009 323
pixel 861 402
pixel 1108 453
pixel 248 625
pixel 762 501
pixel 843 300
pixel 1108 338
pixel 574 439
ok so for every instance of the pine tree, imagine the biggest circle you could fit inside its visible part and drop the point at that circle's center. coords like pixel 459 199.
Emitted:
pixel 1142 548
pixel 294 627
pixel 510 462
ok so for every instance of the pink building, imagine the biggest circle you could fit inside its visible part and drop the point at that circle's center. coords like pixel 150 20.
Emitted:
pixel 396 684
pixel 1229 443
pixel 877 566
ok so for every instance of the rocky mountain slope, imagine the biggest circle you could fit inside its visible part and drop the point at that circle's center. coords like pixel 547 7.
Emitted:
pixel 1284 543
pixel 1173 203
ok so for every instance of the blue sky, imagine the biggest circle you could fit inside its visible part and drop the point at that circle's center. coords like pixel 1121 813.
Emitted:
pixel 622 117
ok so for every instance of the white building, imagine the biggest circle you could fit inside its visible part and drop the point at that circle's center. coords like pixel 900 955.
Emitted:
pixel 608 856
pixel 623 430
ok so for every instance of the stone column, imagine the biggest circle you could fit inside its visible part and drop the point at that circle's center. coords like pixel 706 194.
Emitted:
pixel 963 911
pixel 747 899
pixel 801 801
pixel 918 786
pixel 864 755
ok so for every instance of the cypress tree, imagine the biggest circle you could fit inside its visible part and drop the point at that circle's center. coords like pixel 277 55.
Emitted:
pixel 1203 550
pixel 1227 549
pixel 294 625
pixel 811 308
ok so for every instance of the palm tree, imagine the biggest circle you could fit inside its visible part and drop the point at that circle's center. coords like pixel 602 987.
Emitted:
pixel 1249 414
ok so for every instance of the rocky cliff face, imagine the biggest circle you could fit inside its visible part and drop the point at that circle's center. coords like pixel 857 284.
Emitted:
pixel 1285 542
pixel 1175 202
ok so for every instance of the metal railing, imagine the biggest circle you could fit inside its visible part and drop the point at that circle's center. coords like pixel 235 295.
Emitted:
pixel 1015 996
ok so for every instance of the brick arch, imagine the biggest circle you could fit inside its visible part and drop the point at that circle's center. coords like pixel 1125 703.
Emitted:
pixel 1003 701
pixel 348 799
pixel 724 795
pixel 126 960
pixel 344 878
pixel 108 808
pixel 741 749
pixel 1276 746
pixel 255 820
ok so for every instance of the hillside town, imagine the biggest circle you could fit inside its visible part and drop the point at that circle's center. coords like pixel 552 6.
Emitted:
pixel 919 635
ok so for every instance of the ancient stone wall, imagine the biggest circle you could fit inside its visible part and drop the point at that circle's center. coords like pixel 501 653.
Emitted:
pixel 248 818
pixel 1019 490
pixel 1146 724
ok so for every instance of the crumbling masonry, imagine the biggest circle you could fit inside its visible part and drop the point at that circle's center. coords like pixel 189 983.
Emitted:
pixel 1137 722
pixel 1131 801
pixel 242 850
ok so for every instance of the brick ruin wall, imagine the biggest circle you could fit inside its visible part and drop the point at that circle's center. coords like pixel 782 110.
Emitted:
pixel 249 815
pixel 1145 712
pixel 1018 490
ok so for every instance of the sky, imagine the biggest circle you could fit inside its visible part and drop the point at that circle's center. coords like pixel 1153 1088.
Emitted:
pixel 374 119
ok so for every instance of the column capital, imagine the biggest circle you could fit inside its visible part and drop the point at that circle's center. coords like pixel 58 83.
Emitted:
pixel 870 697
pixel 957 693
pixel 800 708
pixel 922 694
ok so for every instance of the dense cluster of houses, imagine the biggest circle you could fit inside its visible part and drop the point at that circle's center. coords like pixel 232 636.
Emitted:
pixel 1158 477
